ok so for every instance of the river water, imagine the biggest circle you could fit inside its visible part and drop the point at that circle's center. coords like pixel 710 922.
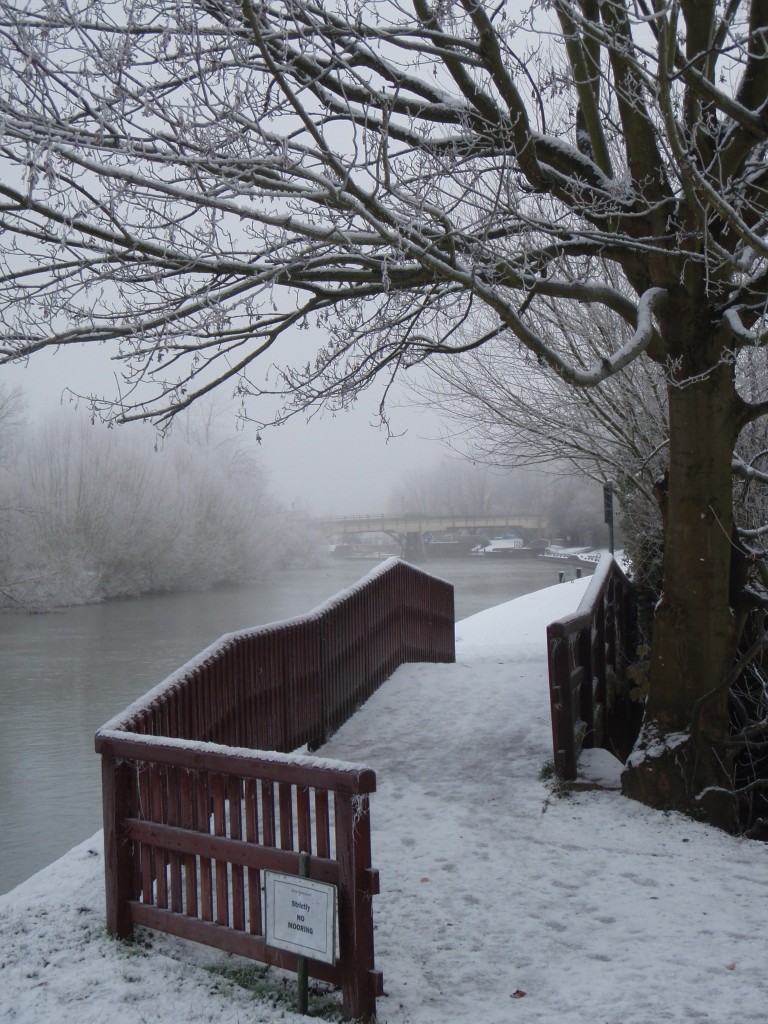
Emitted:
pixel 67 672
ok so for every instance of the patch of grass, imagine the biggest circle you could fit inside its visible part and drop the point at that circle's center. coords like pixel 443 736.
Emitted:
pixel 137 946
pixel 556 786
pixel 547 771
pixel 279 990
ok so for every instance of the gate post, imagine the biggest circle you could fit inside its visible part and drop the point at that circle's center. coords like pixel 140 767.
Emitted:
pixel 358 884
pixel 118 850
pixel 561 700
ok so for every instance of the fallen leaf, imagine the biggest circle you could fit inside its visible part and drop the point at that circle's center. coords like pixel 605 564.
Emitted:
pixel 517 994
pixel 424 879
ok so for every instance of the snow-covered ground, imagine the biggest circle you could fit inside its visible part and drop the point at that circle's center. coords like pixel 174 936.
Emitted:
pixel 500 902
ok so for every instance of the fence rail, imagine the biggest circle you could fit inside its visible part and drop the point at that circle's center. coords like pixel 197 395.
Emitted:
pixel 202 793
pixel 589 651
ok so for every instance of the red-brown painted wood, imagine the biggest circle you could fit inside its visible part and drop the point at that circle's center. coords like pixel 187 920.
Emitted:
pixel 589 652
pixel 193 814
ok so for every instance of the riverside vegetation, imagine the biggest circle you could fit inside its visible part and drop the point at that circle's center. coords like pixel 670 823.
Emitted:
pixel 88 514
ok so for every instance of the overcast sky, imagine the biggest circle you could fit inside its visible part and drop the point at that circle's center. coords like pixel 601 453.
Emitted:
pixel 340 465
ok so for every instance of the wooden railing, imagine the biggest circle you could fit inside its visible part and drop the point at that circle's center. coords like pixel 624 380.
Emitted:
pixel 194 814
pixel 589 652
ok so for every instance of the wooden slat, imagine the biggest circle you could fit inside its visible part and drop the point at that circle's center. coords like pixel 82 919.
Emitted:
pixel 232 851
pixel 247 766
pixel 145 855
pixel 157 813
pixel 286 816
pixel 268 813
pixel 203 826
pixel 234 802
pixel 254 875
pixel 322 823
pixel 220 865
pixel 188 822
pixel 304 819
pixel 240 943
pixel 173 796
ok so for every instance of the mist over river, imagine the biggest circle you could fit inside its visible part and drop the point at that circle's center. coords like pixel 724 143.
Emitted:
pixel 65 673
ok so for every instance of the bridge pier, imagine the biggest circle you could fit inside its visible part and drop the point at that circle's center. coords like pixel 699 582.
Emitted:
pixel 414 545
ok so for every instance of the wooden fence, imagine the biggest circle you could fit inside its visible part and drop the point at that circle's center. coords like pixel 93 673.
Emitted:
pixel 202 793
pixel 589 651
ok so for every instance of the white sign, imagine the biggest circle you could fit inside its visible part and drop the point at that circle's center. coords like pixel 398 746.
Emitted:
pixel 301 916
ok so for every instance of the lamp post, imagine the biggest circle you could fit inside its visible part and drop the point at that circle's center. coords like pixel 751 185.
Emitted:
pixel 608 512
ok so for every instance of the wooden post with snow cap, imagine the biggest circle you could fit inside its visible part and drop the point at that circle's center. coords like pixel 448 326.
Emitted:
pixel 116 784
pixel 561 698
pixel 359 883
pixel 588 653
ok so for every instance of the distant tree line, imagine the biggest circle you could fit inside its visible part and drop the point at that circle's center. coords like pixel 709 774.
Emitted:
pixel 88 514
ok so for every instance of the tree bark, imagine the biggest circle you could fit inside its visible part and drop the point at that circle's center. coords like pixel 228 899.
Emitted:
pixel 680 761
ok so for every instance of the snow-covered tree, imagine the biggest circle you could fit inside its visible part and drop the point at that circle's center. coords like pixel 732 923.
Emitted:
pixel 190 183
pixel 95 513
pixel 506 409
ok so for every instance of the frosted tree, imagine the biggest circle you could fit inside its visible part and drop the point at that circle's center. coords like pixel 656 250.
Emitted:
pixel 503 408
pixel 191 184
pixel 90 513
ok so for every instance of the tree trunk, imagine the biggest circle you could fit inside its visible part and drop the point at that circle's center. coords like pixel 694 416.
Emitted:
pixel 681 760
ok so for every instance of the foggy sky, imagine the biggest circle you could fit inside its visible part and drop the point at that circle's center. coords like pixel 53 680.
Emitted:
pixel 338 465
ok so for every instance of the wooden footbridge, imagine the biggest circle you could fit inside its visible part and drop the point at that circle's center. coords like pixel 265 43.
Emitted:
pixel 413 529
pixel 207 800
pixel 205 792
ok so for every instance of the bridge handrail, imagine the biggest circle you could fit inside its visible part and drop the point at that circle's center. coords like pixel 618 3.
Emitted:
pixel 415 517
pixel 203 790
pixel 588 653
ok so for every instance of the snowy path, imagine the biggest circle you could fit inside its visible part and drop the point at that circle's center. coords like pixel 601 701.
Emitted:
pixel 600 911
pixel 596 908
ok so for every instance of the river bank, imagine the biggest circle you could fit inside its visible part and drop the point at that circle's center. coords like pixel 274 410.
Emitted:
pixel 66 673
pixel 500 902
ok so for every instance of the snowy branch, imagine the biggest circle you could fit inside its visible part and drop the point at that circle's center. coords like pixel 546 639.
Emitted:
pixel 193 187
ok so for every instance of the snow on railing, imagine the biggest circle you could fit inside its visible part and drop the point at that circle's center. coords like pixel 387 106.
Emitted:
pixel 588 652
pixel 203 790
